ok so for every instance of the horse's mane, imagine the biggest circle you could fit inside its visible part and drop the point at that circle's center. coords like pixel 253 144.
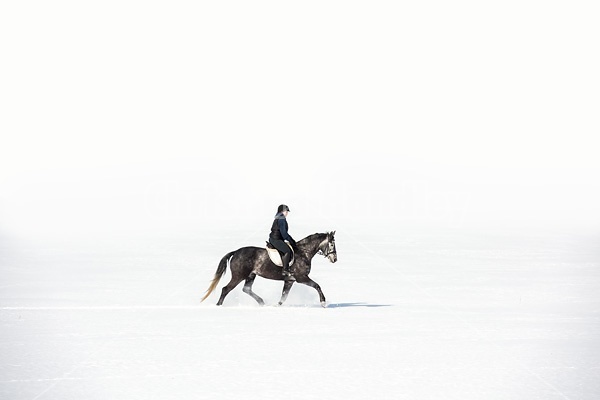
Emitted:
pixel 313 236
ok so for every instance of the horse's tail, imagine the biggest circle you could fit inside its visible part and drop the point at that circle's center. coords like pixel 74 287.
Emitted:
pixel 220 272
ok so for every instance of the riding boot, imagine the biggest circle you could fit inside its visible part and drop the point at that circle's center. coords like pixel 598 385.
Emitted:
pixel 286 264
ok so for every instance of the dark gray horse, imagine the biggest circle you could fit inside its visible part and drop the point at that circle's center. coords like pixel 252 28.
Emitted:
pixel 248 262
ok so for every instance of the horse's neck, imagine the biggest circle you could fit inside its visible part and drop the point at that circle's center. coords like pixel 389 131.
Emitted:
pixel 313 246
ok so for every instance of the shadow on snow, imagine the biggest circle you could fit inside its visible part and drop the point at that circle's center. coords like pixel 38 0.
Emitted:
pixel 344 305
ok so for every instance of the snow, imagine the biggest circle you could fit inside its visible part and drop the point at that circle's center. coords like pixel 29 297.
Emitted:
pixel 423 316
pixel 451 145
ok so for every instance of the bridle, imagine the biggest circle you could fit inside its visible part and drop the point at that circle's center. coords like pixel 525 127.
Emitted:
pixel 329 252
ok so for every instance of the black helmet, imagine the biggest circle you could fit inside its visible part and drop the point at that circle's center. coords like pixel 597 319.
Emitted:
pixel 282 208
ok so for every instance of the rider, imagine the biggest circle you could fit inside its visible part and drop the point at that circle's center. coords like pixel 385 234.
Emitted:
pixel 279 233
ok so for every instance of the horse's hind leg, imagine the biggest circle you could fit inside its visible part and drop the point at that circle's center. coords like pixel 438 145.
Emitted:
pixel 248 289
pixel 235 280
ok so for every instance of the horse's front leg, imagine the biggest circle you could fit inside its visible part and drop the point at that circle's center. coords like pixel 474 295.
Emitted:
pixel 305 280
pixel 287 286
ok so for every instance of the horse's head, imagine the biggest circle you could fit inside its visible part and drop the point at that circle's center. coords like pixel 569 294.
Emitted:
pixel 327 248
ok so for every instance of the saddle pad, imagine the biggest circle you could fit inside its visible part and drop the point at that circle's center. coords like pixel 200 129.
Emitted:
pixel 276 257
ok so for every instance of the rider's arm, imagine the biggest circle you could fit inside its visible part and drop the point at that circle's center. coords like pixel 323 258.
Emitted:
pixel 284 233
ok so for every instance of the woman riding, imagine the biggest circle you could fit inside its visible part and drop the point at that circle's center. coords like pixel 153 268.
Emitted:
pixel 279 233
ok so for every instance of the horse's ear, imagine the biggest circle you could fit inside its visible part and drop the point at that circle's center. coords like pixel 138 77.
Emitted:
pixel 332 233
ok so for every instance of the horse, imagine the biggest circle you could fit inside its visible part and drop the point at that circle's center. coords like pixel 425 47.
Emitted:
pixel 248 262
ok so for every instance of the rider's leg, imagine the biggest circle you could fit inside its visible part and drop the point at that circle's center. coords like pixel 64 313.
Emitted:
pixel 286 262
pixel 286 254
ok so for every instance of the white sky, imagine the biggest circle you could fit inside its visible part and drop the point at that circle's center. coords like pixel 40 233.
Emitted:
pixel 129 113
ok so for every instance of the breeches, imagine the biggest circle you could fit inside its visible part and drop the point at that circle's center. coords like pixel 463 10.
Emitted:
pixel 281 246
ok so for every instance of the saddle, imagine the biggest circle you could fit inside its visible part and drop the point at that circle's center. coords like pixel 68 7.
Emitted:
pixel 275 255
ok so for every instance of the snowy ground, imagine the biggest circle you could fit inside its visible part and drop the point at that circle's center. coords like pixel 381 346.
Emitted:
pixel 142 141
pixel 452 315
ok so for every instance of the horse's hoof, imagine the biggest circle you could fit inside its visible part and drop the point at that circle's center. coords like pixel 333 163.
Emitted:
pixel 280 303
pixel 324 304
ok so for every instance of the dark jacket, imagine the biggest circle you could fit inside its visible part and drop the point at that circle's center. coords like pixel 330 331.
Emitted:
pixel 279 229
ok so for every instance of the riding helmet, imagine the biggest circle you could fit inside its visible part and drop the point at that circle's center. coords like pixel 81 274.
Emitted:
pixel 282 208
